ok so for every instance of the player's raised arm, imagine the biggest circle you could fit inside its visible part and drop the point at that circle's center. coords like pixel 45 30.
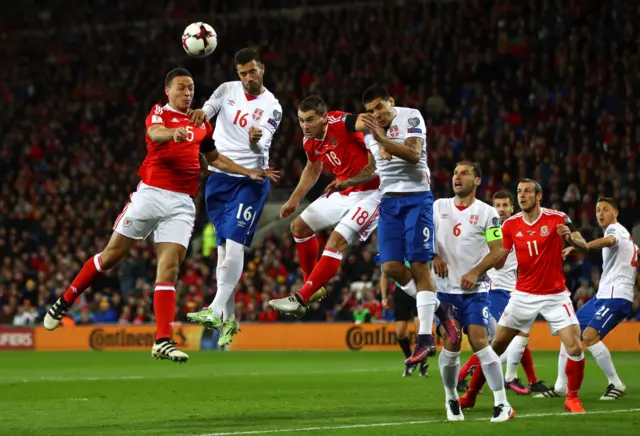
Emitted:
pixel 157 131
pixel 410 151
pixel 571 236
pixel 260 136
pixel 308 179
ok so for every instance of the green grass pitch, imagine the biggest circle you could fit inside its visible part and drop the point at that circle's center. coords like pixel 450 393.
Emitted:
pixel 314 393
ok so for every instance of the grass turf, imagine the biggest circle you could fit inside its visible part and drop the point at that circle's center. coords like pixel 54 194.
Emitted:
pixel 321 393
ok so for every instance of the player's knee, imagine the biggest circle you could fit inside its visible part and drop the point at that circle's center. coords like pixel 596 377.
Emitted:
pixel 574 348
pixel 478 344
pixel 590 337
pixel 300 229
pixel 115 250
pixel 395 270
pixel 337 242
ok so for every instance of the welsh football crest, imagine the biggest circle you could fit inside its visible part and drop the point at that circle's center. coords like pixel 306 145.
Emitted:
pixel 544 230
pixel 257 114
pixel 127 221
pixel 333 141
pixel 473 219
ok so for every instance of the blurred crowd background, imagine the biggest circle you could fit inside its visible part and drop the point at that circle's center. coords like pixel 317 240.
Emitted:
pixel 534 88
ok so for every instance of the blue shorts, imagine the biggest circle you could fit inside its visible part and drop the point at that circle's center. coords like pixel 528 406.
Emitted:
pixel 498 300
pixel 603 314
pixel 471 309
pixel 234 206
pixel 405 228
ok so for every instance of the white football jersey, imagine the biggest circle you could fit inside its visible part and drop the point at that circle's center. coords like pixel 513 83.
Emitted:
pixel 461 239
pixel 237 112
pixel 397 175
pixel 619 265
pixel 505 277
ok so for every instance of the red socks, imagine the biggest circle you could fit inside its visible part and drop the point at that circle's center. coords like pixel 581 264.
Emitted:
pixel 91 269
pixel 575 375
pixel 327 267
pixel 477 381
pixel 164 305
pixel 464 371
pixel 527 365
pixel 307 254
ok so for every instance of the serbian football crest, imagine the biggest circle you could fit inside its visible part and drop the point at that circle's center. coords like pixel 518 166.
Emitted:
pixel 257 114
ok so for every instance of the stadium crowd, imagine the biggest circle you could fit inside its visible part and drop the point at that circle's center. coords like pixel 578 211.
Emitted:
pixel 525 88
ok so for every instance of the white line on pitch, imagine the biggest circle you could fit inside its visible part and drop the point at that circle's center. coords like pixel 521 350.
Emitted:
pixel 397 424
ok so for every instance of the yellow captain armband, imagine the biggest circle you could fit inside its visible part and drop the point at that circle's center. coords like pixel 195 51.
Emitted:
pixel 493 234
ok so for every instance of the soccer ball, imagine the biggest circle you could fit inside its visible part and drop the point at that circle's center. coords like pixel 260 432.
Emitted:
pixel 199 39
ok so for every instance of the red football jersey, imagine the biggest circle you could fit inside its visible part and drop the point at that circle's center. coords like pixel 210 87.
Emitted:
pixel 171 166
pixel 538 250
pixel 341 151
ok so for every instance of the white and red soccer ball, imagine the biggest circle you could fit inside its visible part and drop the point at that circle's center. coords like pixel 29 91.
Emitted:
pixel 199 39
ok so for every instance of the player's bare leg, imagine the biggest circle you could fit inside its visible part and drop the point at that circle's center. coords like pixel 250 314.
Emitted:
pixel 502 339
pixel 427 305
pixel 570 338
pixel 615 388
pixel 170 256
pixel 449 364
pixel 313 289
pixel 117 247
pixel 405 345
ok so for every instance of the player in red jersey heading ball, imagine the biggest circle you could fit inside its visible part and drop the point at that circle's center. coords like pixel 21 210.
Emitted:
pixel 162 205
pixel 538 235
pixel 332 140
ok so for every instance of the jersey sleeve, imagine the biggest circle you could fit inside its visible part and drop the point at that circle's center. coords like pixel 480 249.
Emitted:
pixel 273 118
pixel 207 145
pixel 214 104
pixel 492 228
pixel 155 116
pixel 612 231
pixel 414 126
pixel 507 235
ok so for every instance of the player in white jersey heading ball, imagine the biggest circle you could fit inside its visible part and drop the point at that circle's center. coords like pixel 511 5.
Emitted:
pixel 397 140
pixel 503 282
pixel 613 302
pixel 468 244
pixel 248 115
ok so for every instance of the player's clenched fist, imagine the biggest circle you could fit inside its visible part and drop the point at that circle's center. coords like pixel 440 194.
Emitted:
pixel 179 134
pixel 440 267
pixel 289 207
pixel 469 281
pixel 255 133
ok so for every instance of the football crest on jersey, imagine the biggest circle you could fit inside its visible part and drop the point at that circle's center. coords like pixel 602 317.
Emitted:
pixel 127 221
pixel 257 114
pixel 473 219
pixel 333 141
pixel 544 230
pixel 393 132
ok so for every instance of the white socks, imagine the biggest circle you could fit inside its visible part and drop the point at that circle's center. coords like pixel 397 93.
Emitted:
pixel 601 353
pixel 493 373
pixel 449 363
pixel 514 355
pixel 561 381
pixel 426 302
pixel 410 288
pixel 228 273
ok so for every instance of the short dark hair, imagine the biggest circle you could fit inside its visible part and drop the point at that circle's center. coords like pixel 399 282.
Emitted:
pixel 247 55
pixel 313 103
pixel 501 195
pixel 536 184
pixel 176 72
pixel 610 200
pixel 477 171
pixel 373 92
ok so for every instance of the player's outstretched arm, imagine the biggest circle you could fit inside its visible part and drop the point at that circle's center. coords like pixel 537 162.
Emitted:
pixel 572 237
pixel 367 174
pixel 596 244
pixel 308 179
pixel 225 164
pixel 470 279
pixel 160 134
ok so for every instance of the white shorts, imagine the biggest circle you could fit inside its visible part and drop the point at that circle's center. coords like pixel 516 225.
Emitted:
pixel 352 215
pixel 523 309
pixel 169 215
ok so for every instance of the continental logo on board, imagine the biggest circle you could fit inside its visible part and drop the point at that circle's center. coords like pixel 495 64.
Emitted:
pixel 102 339
pixel 358 338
